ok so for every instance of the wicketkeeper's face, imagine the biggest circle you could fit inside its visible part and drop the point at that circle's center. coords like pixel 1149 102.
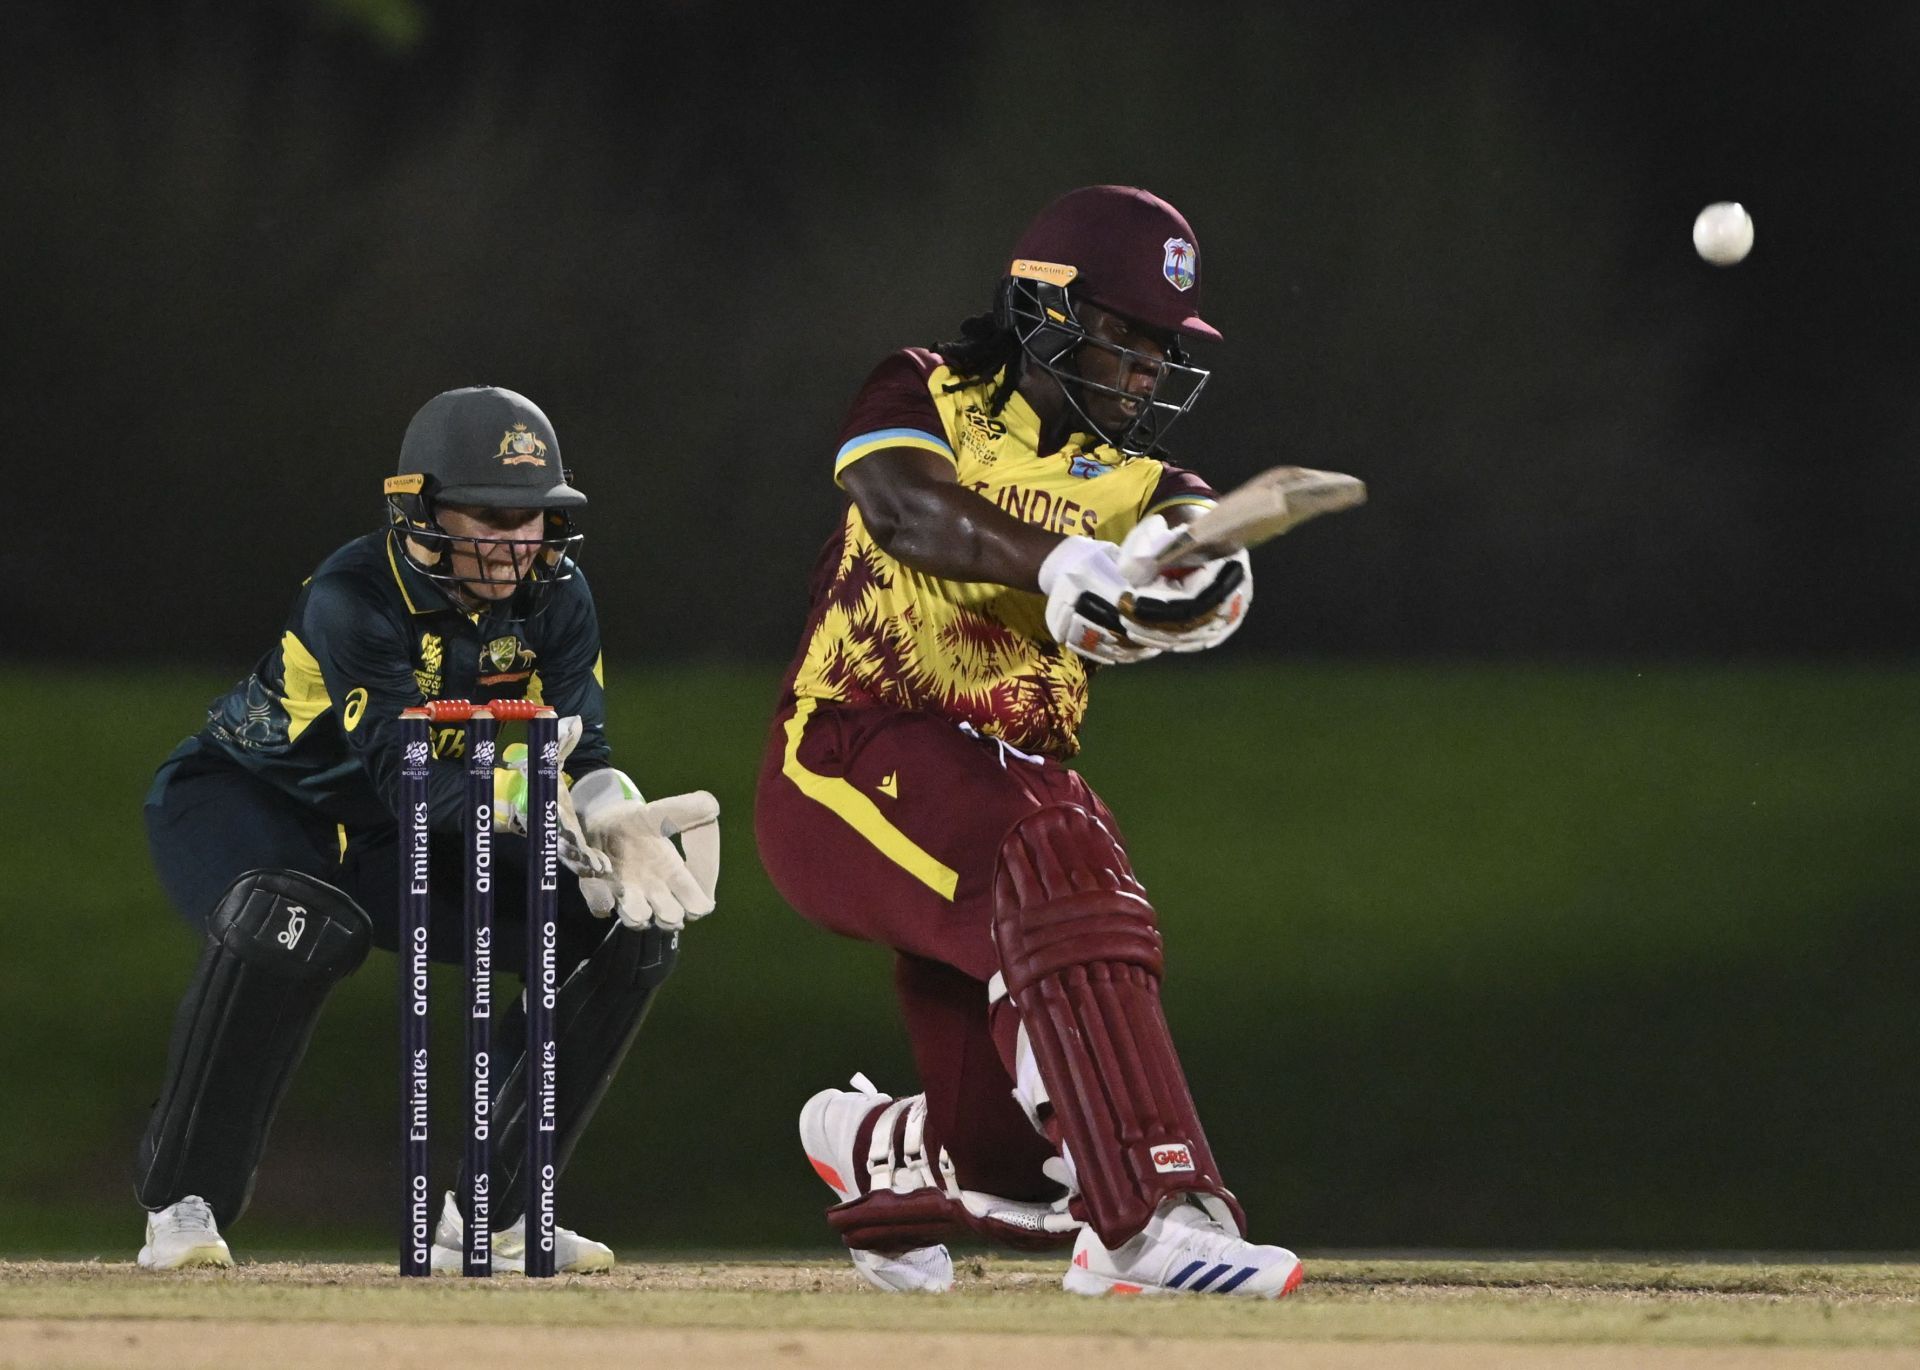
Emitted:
pixel 493 549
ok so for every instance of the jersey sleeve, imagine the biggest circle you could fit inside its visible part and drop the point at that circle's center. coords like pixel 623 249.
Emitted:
pixel 366 670
pixel 571 679
pixel 893 409
pixel 1176 486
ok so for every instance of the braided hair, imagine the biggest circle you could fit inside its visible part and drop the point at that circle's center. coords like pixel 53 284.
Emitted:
pixel 985 346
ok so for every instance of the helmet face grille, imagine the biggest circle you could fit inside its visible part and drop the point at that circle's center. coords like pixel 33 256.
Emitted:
pixel 430 549
pixel 1043 318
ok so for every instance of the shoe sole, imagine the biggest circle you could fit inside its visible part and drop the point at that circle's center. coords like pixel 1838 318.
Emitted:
pixel 867 1264
pixel 1080 1281
pixel 215 1257
pixel 447 1260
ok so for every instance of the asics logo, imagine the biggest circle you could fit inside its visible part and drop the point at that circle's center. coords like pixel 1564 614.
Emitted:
pixel 296 924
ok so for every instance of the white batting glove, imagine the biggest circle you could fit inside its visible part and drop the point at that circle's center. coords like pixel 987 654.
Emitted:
pixel 1083 585
pixel 1186 609
pixel 658 885
pixel 598 883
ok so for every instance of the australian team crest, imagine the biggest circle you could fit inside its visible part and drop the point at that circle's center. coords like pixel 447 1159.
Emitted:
pixel 503 652
pixel 1180 264
pixel 520 447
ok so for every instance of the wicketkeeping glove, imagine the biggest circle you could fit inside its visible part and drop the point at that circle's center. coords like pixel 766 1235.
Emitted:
pixel 598 883
pixel 658 884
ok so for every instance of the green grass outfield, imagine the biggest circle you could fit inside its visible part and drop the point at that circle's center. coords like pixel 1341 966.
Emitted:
pixel 1382 1307
pixel 1461 956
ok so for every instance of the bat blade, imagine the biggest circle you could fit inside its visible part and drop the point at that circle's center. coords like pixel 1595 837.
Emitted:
pixel 1274 502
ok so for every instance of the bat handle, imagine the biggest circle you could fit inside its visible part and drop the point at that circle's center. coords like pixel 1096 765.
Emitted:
pixel 1140 570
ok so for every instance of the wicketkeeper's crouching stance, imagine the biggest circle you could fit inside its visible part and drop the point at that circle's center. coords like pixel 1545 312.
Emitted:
pixel 913 794
pixel 273 829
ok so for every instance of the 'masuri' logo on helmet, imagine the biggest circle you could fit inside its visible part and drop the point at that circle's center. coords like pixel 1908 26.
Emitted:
pixel 518 447
pixel 1180 263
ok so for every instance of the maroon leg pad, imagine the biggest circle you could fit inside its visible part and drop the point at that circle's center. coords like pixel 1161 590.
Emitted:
pixel 892 1223
pixel 1082 959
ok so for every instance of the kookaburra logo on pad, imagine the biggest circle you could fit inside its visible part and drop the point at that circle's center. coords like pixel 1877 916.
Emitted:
pixel 519 447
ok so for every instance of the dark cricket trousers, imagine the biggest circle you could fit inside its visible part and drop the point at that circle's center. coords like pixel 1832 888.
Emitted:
pixel 208 822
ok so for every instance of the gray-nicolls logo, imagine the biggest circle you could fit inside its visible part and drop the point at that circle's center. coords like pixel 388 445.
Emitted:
pixel 296 924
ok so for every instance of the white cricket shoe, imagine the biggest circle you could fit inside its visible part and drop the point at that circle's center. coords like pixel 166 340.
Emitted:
pixel 828 1126
pixel 573 1254
pixel 182 1236
pixel 1183 1250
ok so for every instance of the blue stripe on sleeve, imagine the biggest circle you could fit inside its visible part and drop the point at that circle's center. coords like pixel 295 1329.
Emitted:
pixel 889 437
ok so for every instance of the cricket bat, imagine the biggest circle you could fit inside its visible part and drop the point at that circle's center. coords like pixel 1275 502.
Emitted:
pixel 1273 502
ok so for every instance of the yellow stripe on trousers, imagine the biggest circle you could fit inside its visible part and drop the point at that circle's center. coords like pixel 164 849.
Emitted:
pixel 861 813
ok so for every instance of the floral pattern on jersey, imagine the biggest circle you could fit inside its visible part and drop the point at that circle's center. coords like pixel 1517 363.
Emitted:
pixel 867 647
pixel 883 634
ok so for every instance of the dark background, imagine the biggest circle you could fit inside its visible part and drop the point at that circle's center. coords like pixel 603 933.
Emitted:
pixel 1448 246
pixel 1537 864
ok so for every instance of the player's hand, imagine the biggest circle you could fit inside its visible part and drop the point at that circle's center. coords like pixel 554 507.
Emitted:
pixel 1083 585
pixel 1187 608
pixel 659 885
pixel 598 883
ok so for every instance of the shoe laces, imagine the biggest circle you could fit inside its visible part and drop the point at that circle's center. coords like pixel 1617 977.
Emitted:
pixel 1196 1231
pixel 191 1214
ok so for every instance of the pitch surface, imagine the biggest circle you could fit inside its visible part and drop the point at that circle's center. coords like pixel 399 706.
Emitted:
pixel 1479 1314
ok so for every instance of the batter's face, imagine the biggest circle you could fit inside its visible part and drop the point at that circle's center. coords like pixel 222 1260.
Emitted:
pixel 493 548
pixel 1135 375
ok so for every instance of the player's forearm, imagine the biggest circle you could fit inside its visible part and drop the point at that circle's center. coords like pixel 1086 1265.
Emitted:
pixel 953 533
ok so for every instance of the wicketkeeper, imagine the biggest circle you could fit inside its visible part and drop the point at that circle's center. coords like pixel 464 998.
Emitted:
pixel 913 791
pixel 273 829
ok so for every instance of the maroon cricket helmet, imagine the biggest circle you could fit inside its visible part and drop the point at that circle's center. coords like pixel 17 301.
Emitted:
pixel 1131 251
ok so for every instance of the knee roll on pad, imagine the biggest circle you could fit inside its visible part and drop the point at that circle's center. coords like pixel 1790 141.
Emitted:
pixel 1081 957
pixel 277 943
pixel 597 1015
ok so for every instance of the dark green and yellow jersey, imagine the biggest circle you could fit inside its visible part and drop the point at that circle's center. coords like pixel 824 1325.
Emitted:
pixel 370 636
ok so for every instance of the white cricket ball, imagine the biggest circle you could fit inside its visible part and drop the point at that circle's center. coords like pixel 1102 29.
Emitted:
pixel 1723 234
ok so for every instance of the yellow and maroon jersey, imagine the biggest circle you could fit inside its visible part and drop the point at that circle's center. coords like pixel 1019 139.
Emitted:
pixel 882 633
